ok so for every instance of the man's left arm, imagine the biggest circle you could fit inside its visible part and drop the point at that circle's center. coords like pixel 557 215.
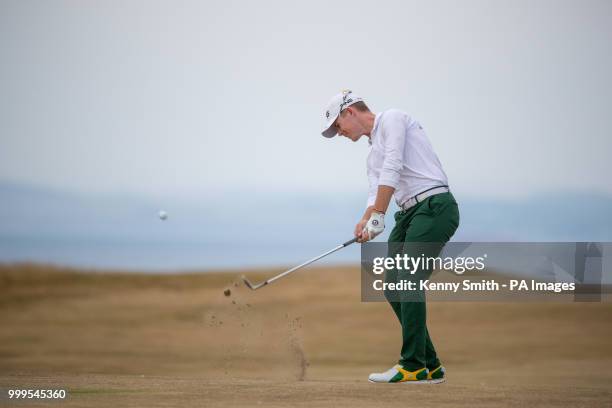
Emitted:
pixel 376 214
pixel 383 198
pixel 394 139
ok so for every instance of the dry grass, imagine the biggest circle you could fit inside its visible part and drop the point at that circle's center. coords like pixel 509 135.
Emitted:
pixel 176 340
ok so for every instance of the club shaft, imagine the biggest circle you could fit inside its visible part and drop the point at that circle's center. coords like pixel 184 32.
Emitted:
pixel 331 251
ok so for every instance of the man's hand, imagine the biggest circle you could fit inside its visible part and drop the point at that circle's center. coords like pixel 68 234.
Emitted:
pixel 373 227
pixel 359 230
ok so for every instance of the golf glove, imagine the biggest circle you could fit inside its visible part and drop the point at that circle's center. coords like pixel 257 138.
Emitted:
pixel 375 225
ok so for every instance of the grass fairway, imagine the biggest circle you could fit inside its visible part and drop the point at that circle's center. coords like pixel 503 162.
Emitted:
pixel 138 340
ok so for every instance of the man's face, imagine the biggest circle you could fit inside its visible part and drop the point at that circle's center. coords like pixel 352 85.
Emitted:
pixel 348 126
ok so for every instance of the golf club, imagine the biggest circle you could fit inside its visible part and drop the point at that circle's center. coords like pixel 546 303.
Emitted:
pixel 272 279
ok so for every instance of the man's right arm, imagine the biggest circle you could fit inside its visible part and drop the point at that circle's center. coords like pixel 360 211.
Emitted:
pixel 383 197
pixel 361 224
pixel 372 192
pixel 373 185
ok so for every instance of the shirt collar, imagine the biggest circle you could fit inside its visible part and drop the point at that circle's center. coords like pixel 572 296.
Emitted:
pixel 375 127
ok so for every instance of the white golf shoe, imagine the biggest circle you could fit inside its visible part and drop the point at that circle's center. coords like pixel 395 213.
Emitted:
pixel 397 374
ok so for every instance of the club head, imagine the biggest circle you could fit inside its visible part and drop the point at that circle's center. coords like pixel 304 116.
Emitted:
pixel 247 282
pixel 250 285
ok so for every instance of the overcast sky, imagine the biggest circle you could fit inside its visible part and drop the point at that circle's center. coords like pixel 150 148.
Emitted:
pixel 193 97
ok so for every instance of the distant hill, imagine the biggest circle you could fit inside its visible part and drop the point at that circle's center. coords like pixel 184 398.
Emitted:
pixel 544 217
pixel 274 225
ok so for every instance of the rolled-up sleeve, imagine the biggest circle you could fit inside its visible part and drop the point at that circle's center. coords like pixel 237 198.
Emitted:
pixel 393 132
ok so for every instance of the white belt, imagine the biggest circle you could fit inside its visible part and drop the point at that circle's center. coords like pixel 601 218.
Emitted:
pixel 411 202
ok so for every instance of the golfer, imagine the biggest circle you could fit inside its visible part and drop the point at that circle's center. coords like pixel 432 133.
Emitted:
pixel 401 164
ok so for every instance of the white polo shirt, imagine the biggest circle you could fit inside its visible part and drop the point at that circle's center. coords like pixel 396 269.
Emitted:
pixel 402 157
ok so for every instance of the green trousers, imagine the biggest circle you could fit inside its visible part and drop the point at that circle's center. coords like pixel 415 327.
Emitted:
pixel 432 221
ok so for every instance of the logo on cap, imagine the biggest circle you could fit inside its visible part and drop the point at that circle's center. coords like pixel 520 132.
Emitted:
pixel 327 114
pixel 345 99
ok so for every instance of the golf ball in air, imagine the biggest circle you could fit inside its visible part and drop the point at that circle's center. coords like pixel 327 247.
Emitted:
pixel 163 215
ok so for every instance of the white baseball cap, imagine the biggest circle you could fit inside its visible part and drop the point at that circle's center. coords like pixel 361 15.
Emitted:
pixel 337 104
